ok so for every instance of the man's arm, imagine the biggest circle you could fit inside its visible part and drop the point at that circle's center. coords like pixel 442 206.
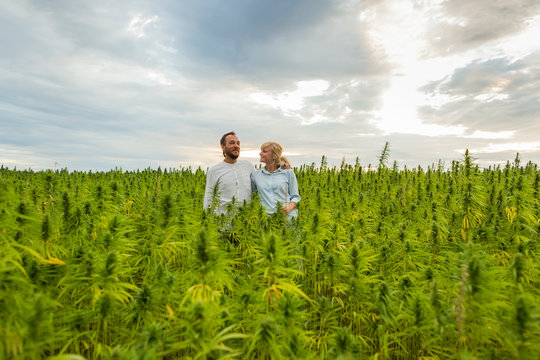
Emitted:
pixel 211 183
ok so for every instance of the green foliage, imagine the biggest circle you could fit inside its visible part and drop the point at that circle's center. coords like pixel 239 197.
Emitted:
pixel 389 264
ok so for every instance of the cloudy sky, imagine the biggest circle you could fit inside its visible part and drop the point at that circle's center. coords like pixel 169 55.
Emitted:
pixel 94 85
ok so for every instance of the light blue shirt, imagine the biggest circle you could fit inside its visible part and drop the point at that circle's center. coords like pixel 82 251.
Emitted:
pixel 279 186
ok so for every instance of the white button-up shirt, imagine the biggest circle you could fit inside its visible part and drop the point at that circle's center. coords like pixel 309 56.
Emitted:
pixel 232 180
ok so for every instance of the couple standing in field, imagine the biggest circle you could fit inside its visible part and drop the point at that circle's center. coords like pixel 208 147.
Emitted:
pixel 235 179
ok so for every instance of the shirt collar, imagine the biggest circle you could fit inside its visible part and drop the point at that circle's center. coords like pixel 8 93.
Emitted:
pixel 279 169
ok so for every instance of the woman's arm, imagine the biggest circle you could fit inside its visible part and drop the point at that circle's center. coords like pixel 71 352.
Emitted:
pixel 292 191
pixel 253 182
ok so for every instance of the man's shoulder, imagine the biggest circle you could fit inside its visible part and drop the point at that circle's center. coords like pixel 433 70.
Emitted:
pixel 216 168
pixel 218 165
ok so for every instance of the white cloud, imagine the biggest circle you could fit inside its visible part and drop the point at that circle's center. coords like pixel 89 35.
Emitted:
pixel 437 100
pixel 291 101
pixel 317 118
pixel 158 77
pixel 491 135
pixel 138 24
pixel 490 97
pixel 459 21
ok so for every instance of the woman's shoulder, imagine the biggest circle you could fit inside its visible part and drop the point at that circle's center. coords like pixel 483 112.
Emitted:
pixel 288 171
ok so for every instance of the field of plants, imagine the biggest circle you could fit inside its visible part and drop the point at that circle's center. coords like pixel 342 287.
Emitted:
pixel 382 263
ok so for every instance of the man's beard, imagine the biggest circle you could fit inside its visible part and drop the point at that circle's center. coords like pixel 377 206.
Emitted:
pixel 231 155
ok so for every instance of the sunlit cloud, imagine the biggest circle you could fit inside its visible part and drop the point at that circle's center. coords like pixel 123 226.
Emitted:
pixel 487 98
pixel 437 100
pixel 491 135
pixel 398 113
pixel 317 118
pixel 522 44
pixel 291 101
pixel 298 104
pixel 404 50
pixel 452 20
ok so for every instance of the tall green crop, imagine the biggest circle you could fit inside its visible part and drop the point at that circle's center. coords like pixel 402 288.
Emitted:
pixel 382 263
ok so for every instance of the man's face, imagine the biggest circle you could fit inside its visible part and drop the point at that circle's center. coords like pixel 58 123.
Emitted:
pixel 231 150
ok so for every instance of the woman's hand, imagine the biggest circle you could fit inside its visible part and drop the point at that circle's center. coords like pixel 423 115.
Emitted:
pixel 288 208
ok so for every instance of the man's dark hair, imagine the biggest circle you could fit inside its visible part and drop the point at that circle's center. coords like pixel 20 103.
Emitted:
pixel 222 141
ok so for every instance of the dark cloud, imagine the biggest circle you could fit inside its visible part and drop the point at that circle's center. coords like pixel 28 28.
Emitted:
pixel 481 77
pixel 272 42
pixel 493 95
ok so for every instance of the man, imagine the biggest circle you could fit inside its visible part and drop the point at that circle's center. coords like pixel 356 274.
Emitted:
pixel 229 179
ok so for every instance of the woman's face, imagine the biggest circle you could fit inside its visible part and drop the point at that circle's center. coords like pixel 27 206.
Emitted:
pixel 266 155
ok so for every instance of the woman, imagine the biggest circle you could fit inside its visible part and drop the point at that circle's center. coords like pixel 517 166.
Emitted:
pixel 276 182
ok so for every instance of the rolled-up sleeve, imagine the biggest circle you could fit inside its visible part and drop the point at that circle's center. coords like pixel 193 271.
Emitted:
pixel 294 195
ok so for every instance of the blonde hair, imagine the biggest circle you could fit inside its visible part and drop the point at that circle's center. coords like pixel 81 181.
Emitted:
pixel 277 150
